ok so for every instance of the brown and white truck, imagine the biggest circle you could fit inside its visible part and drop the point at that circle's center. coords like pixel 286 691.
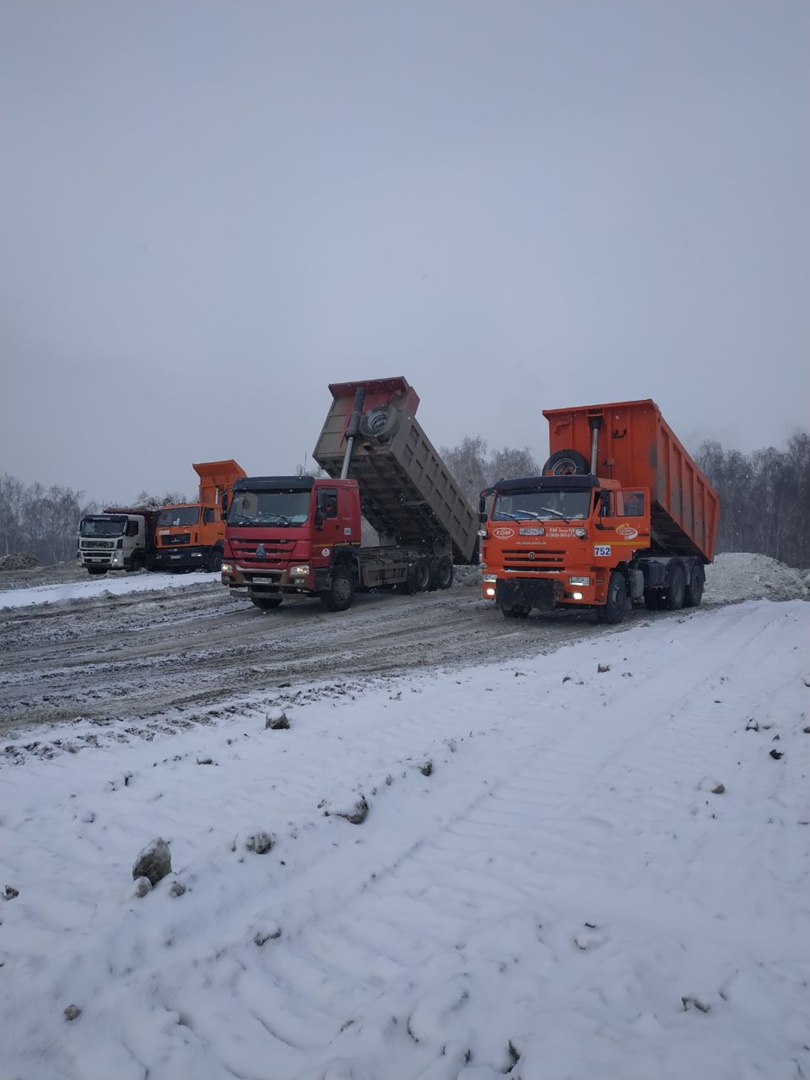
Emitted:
pixel 621 514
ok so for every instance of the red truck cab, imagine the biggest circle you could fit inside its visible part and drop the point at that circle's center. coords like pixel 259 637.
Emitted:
pixel 285 535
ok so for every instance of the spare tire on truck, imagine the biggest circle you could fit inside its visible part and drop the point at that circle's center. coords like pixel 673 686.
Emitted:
pixel 381 422
pixel 566 463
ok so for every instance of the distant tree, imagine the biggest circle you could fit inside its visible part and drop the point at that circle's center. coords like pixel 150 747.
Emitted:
pixel 475 469
pixel 39 521
pixel 764 498
pixel 154 502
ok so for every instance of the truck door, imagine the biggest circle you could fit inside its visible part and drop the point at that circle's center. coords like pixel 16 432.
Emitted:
pixel 624 517
pixel 331 531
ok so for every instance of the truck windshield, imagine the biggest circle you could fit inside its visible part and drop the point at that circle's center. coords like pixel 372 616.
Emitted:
pixel 541 506
pixel 178 515
pixel 269 508
pixel 102 526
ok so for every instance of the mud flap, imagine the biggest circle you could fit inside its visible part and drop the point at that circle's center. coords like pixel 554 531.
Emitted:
pixel 542 593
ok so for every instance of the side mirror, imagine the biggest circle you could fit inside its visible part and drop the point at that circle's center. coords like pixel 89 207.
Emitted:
pixel 320 517
pixel 224 505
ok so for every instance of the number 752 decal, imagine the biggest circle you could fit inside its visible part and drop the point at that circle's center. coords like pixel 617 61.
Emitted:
pixel 601 549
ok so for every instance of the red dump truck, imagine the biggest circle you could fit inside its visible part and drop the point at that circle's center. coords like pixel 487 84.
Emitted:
pixel 621 514
pixel 301 536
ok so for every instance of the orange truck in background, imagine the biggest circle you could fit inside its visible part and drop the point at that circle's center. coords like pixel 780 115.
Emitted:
pixel 191 536
pixel 620 515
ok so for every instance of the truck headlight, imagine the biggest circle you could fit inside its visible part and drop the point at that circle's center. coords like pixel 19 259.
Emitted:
pixel 579 581
pixel 489 577
pixel 483 533
pixel 300 571
pixel 227 568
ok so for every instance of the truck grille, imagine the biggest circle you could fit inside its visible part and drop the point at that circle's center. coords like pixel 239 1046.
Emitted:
pixel 97 544
pixel 275 551
pixel 175 538
pixel 520 561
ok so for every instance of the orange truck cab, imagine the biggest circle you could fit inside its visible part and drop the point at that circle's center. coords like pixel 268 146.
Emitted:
pixel 191 536
pixel 620 515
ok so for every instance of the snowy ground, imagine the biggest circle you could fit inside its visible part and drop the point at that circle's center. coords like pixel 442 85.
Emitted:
pixel 588 859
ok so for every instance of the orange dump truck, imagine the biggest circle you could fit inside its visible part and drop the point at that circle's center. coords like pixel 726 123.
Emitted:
pixel 620 515
pixel 191 536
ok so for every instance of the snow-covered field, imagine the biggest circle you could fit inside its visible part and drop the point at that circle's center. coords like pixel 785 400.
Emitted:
pixel 588 862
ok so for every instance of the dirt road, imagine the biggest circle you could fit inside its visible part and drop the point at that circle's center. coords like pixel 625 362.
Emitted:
pixel 123 660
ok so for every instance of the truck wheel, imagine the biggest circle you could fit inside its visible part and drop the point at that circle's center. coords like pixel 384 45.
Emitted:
pixel 676 590
pixel 444 573
pixel 136 563
pixel 694 590
pixel 95 570
pixel 340 593
pixel 380 422
pixel 214 561
pixel 266 603
pixel 566 463
pixel 422 575
pixel 617 603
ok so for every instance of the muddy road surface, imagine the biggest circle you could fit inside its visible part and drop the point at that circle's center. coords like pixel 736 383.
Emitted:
pixel 133 657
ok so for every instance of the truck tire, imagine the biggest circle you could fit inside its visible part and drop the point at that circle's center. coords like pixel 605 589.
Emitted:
pixel 214 563
pixel 266 603
pixel 381 422
pixel 694 588
pixel 340 594
pixel 136 563
pixel 422 574
pixel 444 572
pixel 566 463
pixel 617 603
pixel 676 589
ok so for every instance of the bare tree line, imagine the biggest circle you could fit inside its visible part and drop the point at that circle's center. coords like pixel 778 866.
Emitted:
pixel 764 499
pixel 44 522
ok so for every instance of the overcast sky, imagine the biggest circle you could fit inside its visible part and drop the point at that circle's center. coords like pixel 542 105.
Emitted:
pixel 211 209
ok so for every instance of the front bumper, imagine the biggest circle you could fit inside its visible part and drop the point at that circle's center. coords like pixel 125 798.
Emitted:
pixel 103 560
pixel 185 558
pixel 267 582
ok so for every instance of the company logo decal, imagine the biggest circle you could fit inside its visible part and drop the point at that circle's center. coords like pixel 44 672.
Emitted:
pixel 627 531
pixel 503 533
pixel 324 552
pixel 260 552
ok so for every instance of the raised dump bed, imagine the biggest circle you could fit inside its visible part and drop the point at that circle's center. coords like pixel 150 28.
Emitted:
pixel 407 493
pixel 632 443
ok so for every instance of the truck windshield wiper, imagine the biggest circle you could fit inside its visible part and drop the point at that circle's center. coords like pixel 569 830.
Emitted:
pixel 559 513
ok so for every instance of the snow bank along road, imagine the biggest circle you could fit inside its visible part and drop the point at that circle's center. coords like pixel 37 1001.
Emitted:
pixel 591 863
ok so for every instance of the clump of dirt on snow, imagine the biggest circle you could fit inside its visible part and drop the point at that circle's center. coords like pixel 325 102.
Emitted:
pixel 742 576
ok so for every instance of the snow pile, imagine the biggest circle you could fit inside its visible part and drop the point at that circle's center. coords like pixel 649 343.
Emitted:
pixel 741 576
pixel 90 588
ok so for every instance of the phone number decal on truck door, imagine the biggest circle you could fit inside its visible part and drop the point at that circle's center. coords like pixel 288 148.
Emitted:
pixel 602 549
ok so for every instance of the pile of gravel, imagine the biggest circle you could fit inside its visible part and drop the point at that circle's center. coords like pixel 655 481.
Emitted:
pixel 741 576
pixel 18 561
